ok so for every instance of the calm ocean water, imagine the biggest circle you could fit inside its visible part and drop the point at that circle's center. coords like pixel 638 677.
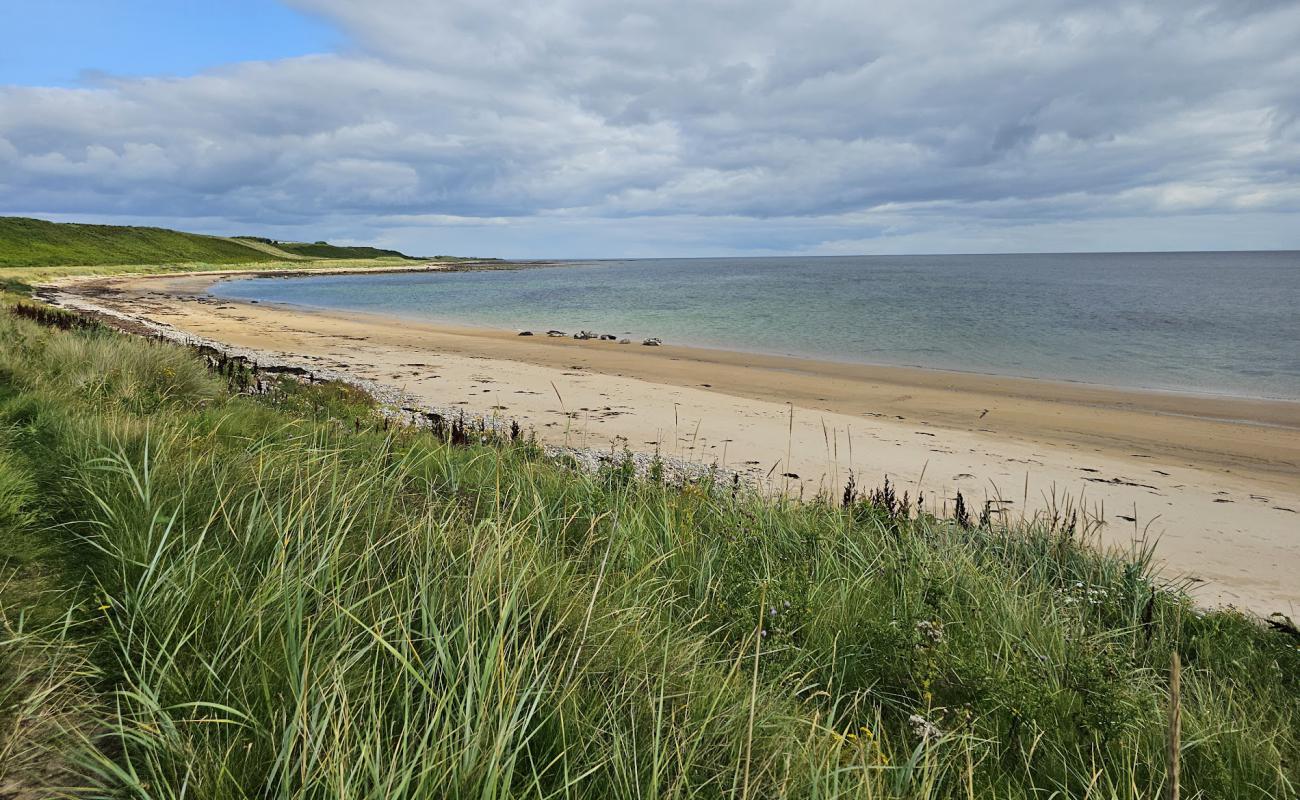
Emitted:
pixel 1222 323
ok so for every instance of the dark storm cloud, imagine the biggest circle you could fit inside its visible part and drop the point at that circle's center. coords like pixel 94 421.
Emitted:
pixel 849 122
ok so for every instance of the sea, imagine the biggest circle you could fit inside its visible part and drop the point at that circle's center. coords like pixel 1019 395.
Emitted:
pixel 1221 323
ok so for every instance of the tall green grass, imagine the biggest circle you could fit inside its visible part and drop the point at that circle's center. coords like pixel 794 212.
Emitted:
pixel 254 598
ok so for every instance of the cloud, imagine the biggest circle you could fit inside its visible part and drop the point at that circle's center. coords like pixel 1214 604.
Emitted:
pixel 801 125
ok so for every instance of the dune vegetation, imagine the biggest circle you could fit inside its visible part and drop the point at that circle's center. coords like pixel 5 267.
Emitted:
pixel 26 243
pixel 209 593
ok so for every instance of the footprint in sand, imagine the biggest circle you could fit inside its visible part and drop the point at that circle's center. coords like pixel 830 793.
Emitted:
pixel 1121 482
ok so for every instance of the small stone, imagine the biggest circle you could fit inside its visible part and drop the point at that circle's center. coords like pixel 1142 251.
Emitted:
pixel 923 728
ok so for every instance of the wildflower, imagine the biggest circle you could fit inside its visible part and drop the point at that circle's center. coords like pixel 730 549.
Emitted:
pixel 931 630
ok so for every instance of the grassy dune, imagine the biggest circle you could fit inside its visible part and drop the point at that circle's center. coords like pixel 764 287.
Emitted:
pixel 37 243
pixel 34 251
pixel 210 594
pixel 29 243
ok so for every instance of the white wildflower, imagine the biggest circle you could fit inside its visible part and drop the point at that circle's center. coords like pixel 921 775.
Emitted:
pixel 931 630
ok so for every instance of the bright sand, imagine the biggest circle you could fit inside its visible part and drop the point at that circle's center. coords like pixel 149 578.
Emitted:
pixel 1215 480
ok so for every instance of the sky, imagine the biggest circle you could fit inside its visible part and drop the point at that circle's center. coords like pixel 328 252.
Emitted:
pixel 589 128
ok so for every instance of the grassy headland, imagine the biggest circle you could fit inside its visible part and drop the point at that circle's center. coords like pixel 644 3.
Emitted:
pixel 38 243
pixel 28 242
pixel 215 594
pixel 33 251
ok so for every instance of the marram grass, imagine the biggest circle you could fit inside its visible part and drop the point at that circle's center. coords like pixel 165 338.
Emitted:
pixel 209 595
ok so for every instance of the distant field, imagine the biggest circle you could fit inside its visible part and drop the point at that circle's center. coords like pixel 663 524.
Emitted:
pixel 323 250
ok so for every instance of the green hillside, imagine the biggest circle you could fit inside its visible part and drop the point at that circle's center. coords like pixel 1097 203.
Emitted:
pixel 26 242
pixel 325 250
pixel 37 243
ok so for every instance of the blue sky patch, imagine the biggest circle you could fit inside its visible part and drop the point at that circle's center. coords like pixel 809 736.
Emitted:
pixel 72 42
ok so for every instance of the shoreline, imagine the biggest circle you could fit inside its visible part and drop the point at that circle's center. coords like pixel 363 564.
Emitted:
pixel 540 324
pixel 1065 383
pixel 1216 477
pixel 1272 412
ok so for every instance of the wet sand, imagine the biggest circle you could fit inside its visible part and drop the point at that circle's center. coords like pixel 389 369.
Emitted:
pixel 1216 480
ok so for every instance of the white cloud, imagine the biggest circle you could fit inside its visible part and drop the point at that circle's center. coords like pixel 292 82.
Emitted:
pixel 793 124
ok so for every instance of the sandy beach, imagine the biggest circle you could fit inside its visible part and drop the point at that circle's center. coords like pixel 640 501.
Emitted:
pixel 1215 480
